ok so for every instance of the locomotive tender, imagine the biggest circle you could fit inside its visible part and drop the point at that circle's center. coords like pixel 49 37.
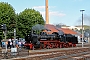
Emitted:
pixel 54 40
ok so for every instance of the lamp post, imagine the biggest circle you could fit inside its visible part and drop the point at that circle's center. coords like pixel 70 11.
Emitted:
pixel 82 26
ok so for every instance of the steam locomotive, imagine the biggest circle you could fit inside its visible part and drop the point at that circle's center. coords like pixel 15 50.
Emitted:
pixel 54 40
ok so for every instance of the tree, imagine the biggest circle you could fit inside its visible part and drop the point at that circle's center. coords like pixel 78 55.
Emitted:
pixel 7 16
pixel 1 35
pixel 27 19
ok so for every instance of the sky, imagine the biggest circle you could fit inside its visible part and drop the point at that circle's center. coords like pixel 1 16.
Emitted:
pixel 60 11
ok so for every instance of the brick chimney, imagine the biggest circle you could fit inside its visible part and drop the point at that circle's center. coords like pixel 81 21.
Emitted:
pixel 47 13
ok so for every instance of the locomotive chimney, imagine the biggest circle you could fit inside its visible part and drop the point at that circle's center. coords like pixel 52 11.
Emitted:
pixel 47 13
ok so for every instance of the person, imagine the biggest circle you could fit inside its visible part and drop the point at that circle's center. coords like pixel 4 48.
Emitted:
pixel 19 43
pixel 22 43
pixel 3 44
pixel 10 44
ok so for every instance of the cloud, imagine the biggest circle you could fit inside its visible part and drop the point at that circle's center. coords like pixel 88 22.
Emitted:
pixel 56 13
pixel 39 7
pixel 42 7
pixel 53 13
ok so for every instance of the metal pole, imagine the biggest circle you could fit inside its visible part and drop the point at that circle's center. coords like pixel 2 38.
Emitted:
pixel 14 37
pixel 82 26
pixel 14 34
pixel 5 40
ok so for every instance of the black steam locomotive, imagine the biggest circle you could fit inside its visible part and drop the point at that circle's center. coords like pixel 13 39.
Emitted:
pixel 53 40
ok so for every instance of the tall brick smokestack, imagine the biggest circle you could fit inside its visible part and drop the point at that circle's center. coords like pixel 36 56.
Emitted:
pixel 47 13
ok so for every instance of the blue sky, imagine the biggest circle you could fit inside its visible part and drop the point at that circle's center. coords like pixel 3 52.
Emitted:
pixel 60 11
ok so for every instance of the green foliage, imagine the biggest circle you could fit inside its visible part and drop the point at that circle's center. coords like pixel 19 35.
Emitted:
pixel 86 27
pixel 27 19
pixel 7 15
pixel 1 35
pixel 22 22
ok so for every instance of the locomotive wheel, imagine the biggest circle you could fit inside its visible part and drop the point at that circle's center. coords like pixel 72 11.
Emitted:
pixel 41 46
pixel 60 46
pixel 52 45
pixel 48 47
pixel 74 45
pixel 66 45
pixel 70 44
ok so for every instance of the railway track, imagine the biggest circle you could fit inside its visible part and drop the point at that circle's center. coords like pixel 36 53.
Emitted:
pixel 74 53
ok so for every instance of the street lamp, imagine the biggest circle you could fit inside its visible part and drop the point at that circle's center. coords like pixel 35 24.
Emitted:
pixel 82 26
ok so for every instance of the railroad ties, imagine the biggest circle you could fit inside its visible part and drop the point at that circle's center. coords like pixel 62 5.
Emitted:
pixel 78 53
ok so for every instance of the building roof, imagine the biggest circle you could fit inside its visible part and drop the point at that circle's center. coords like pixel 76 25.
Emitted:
pixel 53 28
pixel 68 31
